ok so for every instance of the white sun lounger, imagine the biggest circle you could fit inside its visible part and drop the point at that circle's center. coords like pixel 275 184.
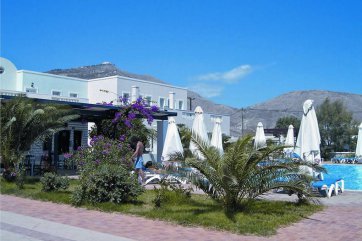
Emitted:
pixel 330 184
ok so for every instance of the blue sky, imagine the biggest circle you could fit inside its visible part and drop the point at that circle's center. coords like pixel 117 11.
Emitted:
pixel 237 53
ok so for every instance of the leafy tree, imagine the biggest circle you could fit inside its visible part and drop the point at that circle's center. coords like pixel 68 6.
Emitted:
pixel 284 122
pixel 243 173
pixel 24 121
pixel 336 126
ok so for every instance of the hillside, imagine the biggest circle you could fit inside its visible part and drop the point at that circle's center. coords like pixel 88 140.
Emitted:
pixel 291 104
pixel 104 69
pixel 267 112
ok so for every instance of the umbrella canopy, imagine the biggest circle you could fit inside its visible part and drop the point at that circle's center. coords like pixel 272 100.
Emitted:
pixel 309 139
pixel 172 140
pixel 216 139
pixel 289 141
pixel 198 129
pixel 359 142
pixel 259 140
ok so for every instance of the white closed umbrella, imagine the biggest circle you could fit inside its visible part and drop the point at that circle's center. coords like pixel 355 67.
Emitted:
pixel 359 142
pixel 289 140
pixel 309 139
pixel 216 138
pixel 172 141
pixel 198 129
pixel 259 140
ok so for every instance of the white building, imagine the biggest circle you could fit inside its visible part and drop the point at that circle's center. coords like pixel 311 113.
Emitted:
pixel 61 88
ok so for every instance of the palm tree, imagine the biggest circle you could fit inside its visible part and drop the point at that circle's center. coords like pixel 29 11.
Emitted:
pixel 243 173
pixel 185 135
pixel 23 122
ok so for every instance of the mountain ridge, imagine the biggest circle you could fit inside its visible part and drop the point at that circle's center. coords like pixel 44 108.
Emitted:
pixel 267 112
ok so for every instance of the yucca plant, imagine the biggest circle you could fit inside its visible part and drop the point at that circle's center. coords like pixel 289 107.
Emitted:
pixel 243 173
pixel 23 122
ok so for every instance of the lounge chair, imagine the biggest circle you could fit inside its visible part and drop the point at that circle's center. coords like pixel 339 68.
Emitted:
pixel 153 177
pixel 329 184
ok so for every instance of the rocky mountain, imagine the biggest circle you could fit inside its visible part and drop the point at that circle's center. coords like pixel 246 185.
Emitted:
pixel 104 69
pixel 242 120
pixel 288 104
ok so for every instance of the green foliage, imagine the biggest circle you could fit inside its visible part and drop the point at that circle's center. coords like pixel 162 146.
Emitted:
pixel 185 136
pixel 259 217
pixel 52 182
pixel 336 126
pixel 115 130
pixel 107 183
pixel 225 141
pixel 20 177
pixel 128 121
pixel 245 173
pixel 170 193
pixel 284 122
pixel 102 151
pixel 23 122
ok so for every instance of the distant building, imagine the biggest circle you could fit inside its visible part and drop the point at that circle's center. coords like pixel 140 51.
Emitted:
pixel 62 88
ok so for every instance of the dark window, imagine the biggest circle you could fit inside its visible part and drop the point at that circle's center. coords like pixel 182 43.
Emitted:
pixel 47 144
pixel 77 139
pixel 63 142
pixel 56 92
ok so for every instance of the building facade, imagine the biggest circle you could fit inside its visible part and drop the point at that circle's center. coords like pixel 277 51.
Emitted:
pixel 108 89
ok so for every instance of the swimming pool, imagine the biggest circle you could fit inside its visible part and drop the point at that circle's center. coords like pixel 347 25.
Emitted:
pixel 352 174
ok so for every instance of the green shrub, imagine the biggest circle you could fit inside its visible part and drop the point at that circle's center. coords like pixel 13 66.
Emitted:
pixel 52 182
pixel 170 193
pixel 107 183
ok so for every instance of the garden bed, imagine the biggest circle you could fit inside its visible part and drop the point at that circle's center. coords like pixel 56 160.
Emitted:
pixel 259 217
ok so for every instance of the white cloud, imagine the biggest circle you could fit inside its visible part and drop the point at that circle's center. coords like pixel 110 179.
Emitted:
pixel 207 90
pixel 231 76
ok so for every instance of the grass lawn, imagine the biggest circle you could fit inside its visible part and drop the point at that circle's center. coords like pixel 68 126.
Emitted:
pixel 258 217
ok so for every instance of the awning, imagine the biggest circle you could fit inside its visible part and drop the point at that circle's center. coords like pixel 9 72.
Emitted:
pixel 92 112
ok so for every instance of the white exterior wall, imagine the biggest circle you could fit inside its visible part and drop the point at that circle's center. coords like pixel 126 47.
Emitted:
pixel 97 96
pixel 8 79
pixel 46 83
pixel 117 85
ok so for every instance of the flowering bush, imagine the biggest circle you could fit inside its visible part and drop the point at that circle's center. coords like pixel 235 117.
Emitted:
pixel 102 151
pixel 128 121
pixel 108 183
pixel 105 166
pixel 104 172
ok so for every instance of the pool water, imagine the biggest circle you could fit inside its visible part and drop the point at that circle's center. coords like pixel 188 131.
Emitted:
pixel 352 174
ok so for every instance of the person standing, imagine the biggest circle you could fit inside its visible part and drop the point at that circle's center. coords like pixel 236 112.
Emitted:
pixel 138 158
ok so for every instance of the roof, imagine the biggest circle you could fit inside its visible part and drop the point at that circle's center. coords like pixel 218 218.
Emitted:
pixel 93 112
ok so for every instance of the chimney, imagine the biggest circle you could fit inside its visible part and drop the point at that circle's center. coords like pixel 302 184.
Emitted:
pixel 171 98
pixel 135 93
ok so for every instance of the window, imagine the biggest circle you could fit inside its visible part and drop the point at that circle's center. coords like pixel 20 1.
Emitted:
pixel 125 95
pixel 148 100
pixel 56 92
pixel 63 141
pixel 77 140
pixel 161 103
pixel 31 90
pixel 47 144
pixel 180 105
pixel 73 95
